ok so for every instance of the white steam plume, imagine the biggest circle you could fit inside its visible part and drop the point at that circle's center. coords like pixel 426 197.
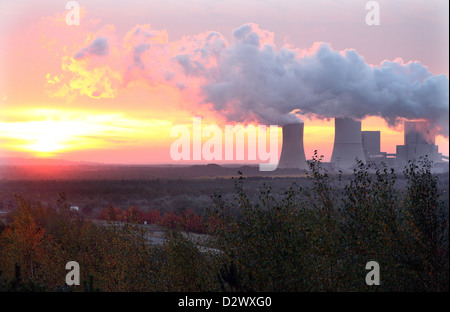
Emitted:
pixel 251 79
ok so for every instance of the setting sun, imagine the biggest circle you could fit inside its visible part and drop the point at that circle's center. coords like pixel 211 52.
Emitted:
pixel 45 145
pixel 62 131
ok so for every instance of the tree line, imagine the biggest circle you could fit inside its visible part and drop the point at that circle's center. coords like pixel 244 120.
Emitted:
pixel 314 237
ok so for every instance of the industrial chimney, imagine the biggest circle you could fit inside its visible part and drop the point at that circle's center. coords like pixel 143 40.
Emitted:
pixel 347 143
pixel 292 152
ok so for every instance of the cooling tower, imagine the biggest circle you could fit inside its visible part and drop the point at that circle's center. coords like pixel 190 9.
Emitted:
pixel 419 142
pixel 292 152
pixel 347 143
pixel 371 141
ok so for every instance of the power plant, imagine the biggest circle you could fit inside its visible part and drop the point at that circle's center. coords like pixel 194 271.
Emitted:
pixel 418 142
pixel 347 143
pixel 292 152
pixel 371 142
pixel 350 143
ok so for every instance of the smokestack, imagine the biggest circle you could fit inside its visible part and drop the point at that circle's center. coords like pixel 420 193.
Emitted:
pixel 347 143
pixel 292 152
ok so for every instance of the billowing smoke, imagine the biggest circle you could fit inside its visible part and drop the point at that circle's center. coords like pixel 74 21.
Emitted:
pixel 253 80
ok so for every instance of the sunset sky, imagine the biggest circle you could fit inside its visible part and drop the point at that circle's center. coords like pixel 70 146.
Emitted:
pixel 110 89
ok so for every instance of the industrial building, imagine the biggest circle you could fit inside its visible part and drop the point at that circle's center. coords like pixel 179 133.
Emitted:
pixel 418 142
pixel 347 143
pixel 292 151
pixel 371 142
pixel 350 143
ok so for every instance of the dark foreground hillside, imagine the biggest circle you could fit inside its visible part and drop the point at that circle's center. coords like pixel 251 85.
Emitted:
pixel 316 235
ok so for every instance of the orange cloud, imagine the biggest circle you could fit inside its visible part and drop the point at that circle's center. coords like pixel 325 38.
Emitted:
pixel 97 82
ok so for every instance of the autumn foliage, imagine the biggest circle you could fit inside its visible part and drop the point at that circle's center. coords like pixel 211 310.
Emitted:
pixel 187 220
pixel 313 238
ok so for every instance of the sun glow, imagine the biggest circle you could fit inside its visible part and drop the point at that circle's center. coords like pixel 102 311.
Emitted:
pixel 62 131
pixel 45 146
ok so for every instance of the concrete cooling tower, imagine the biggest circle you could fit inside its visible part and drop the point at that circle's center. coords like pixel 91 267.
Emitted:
pixel 292 152
pixel 419 142
pixel 347 143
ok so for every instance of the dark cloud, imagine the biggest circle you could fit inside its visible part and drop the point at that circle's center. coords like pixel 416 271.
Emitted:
pixel 98 47
pixel 137 52
pixel 190 67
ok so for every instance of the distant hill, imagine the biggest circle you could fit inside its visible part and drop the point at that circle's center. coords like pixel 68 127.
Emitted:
pixel 16 161
pixel 59 169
